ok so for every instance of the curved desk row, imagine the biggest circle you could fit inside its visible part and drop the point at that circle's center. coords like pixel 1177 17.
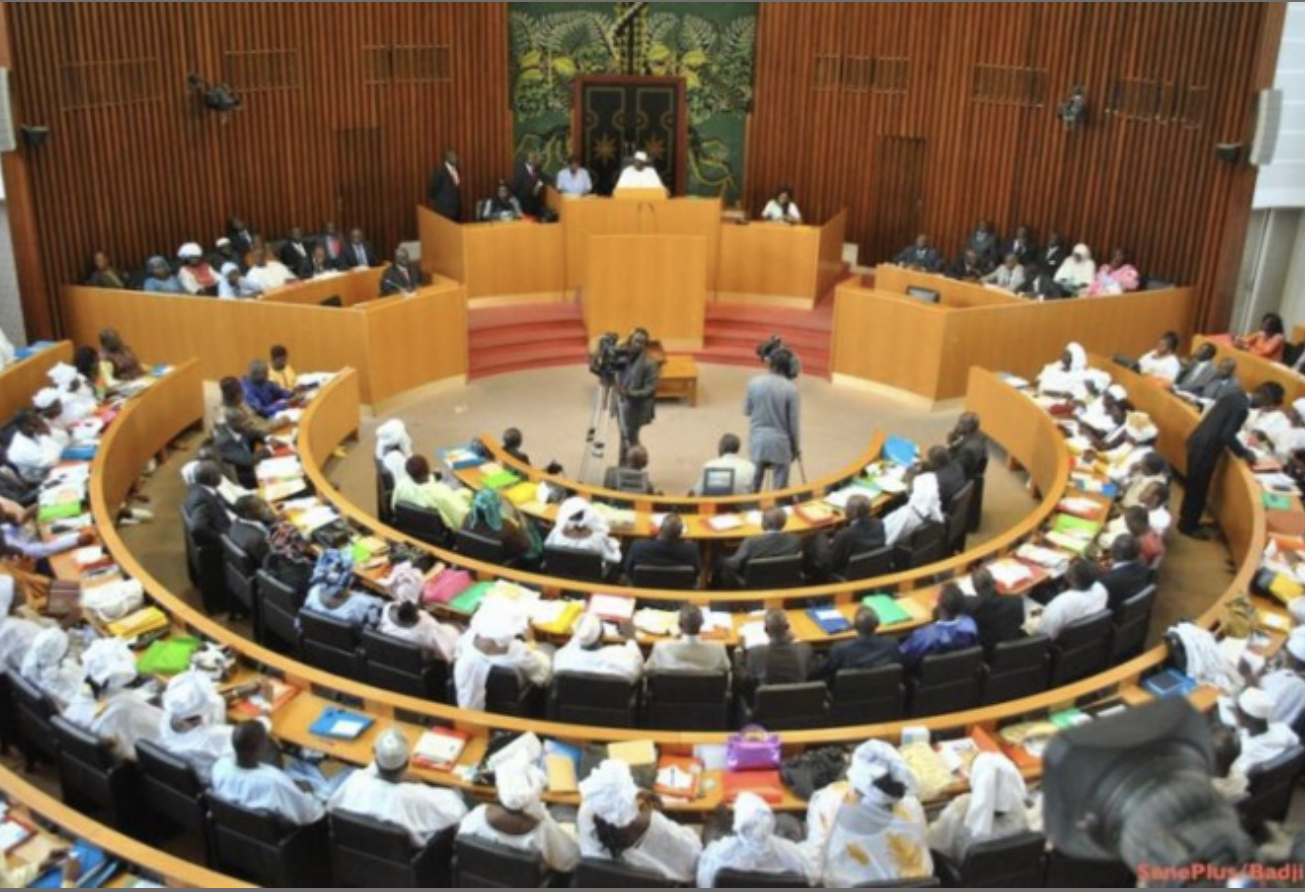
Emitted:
pixel 20 380
pixel 1254 370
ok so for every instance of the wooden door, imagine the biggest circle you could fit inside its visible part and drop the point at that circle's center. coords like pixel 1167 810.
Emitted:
pixel 618 115
pixel 898 212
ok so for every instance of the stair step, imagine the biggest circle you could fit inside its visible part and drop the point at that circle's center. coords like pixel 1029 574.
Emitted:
pixel 560 332
pixel 523 314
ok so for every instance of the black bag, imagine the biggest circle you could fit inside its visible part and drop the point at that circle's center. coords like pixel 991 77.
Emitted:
pixel 813 770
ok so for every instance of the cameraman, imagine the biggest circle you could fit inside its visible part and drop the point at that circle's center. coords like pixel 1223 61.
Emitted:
pixel 773 407
pixel 636 391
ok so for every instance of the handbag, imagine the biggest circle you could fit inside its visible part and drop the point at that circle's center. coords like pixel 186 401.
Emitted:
pixel 446 586
pixel 753 749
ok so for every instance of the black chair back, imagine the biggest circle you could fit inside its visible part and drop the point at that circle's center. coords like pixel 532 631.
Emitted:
pixel 1064 872
pixel 1270 788
pixel 869 564
pixel 585 566
pixel 1132 622
pixel 919 883
pixel 629 480
pixel 479 548
pixel 252 845
pixel 92 779
pixel 783 571
pixel 687 701
pixel 422 524
pixel 279 605
pixel 8 714
pixel 867 696
pixel 34 709
pixel 598 873
pixel 507 692
pixel 679 578
pixel 209 573
pixel 926 545
pixel 948 682
pixel 330 644
pixel 1017 669
pixel 1015 862
pixel 366 853
pixel 790 707
pixel 582 698
pixel 958 518
pixel 400 666
pixel 238 571
pixel 482 864
pixel 384 493
pixel 192 554
pixel 1081 649
pixel 729 878
pixel 172 788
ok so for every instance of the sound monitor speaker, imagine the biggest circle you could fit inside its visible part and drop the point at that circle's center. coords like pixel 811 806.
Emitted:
pixel 1231 152
pixel 7 141
pixel 1268 123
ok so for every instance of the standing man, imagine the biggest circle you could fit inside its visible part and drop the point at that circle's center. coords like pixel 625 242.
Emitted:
pixel 636 392
pixel 445 188
pixel 529 184
pixel 1216 432
pixel 773 405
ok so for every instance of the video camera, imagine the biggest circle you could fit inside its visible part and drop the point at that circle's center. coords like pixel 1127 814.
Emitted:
pixel 774 352
pixel 610 357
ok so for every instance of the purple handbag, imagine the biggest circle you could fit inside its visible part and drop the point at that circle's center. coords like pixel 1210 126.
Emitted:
pixel 753 749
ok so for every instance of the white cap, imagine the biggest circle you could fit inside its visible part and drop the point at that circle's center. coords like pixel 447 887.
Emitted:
pixel 62 374
pixel 498 620
pixel 612 794
pixel 45 398
pixel 391 750
pixel 1295 643
pixel 641 156
pixel 190 695
pixel 109 663
pixel 1117 392
pixel 190 249
pixel 1256 704
pixel 519 784
pixel 1299 407
pixel 228 268
pixel 588 630
pixel 222 242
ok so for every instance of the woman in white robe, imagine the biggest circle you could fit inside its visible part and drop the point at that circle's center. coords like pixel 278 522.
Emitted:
pixel 619 822
pixel 106 707
pixel 580 527
pixel 754 847
pixel 1065 376
pixel 521 821
pixel 923 506
pixel 994 808
pixel 47 667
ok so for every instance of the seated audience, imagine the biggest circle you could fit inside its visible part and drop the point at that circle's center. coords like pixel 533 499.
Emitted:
pixel 1116 277
pixel 517 535
pixel 1077 272
pixel 1009 274
pixel 503 206
pixel 118 361
pixel 107 705
pixel 995 808
pixel 1063 377
pixel 1021 245
pixel 666 549
pixel 951 629
pixel 1126 574
pixel 998 618
pixel 394 448
pixel 951 476
pixel 781 660
pixel 1262 739
pixel 782 208
pixel 104 274
pixel 754 847
pixel 688 652
pixel 1285 685
pixel 266 273
pixel 495 639
pixel 159 278
pixel 359 253
pixel 1039 284
pixel 871 827
pixel 253 524
pixel 320 265
pixel 984 242
pixel 921 255
pixel 86 360
pixel 586 653
pixel 969 444
pixel 36 448
pixel 403 276
pixel 1151 468
pixel 290 559
pixel 329 592
pixel 280 372
pixel 16 632
pixel 968 267
pixel 49 668
pixel 195 274
pixel 262 394
pixel 233 285
pixel 728 459
pixel 1162 362
pixel 1266 343
pixel 512 440
pixel 245 780
pixel 194 726
pixel 297 253
pixel 520 820
pixel 224 252
pixel 243 236
pixel 405 621
pixel 1150 544
pixel 1155 499
pixel 206 516
pixel 574 179
pixel 237 413
pixel 863 533
pixel 378 792
pixel 868 650
pixel 1085 596
pixel 1054 254
pixel 773 542
pixel 1198 369
pixel 620 822
pixel 923 506
pixel 420 488
pixel 634 466
pixel 333 242
pixel 580 527
pixel 1222 383
pixel 240 447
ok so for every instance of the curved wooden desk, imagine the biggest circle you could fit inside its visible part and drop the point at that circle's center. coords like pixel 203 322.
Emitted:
pixel 1254 370
pixel 19 381
pixel 172 872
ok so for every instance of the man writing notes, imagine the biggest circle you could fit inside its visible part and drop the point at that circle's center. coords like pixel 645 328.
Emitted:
pixel 640 175
pixel 773 405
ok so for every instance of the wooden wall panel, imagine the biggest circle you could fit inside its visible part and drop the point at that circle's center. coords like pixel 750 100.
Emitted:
pixel 979 84
pixel 348 107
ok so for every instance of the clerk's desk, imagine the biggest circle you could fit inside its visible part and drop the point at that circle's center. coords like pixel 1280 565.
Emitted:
pixel 884 337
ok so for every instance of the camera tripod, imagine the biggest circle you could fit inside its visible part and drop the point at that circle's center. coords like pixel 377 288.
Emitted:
pixel 606 405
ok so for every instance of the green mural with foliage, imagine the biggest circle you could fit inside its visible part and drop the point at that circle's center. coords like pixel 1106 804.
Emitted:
pixel 711 45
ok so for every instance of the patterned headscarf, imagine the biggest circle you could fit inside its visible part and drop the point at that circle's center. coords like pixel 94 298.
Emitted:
pixel 486 510
pixel 286 542
pixel 334 572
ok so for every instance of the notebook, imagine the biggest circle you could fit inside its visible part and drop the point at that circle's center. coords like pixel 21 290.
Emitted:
pixel 612 608
pixel 462 457
pixel 439 749
pixel 890 613
pixel 1168 683
pixel 633 752
pixel 340 724
pixel 254 704
pixel 96 867
pixel 501 480
pixel 469 600
pixel 171 657
pixel 678 776
pixel 830 621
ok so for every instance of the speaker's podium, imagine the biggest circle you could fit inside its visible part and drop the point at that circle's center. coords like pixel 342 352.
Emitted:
pixel 648 277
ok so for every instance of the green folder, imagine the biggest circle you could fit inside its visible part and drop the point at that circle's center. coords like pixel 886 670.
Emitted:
pixel 171 657
pixel 1276 501
pixel 1068 523
pixel 468 601
pixel 1067 718
pixel 501 480
pixel 890 613
pixel 59 512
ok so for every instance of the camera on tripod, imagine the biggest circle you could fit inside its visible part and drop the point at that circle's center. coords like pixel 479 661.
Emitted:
pixel 773 351
pixel 610 357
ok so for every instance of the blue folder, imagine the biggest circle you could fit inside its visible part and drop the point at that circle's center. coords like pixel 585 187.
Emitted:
pixel 901 450
pixel 830 621
pixel 326 724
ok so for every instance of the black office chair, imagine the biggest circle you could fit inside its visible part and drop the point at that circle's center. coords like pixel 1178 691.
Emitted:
pixel 507 692
pixel 34 711
pixel 209 573
pixel 583 698
pixel 567 563
pixel 1270 789
pixel 330 644
pixel 926 545
pixel 482 864
pixel 255 846
pixel 94 780
pixel 678 578
pixel 367 853
pixel 729 878
pixel 868 565
pixel 1064 872
pixel 597 873
pixel 867 696
pixel 687 701
pixel 192 556
pixel 400 666
pixel 790 707
pixel 948 682
pixel 1013 862
pixel 1131 623
pixel 628 480
pixel 958 518
pixel 1016 669
pixel 279 605
pixel 784 571
pixel 384 493
pixel 918 883
pixel 174 795
pixel 1081 649
pixel 239 569
pixel 717 482
pixel 480 548
pixel 422 524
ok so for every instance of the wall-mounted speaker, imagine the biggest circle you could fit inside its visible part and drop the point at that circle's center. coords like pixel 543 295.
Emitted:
pixel 1228 152
pixel 7 141
pixel 1268 123
pixel 34 136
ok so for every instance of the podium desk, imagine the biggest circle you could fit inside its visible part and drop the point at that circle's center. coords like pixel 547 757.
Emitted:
pixel 780 264
pixel 508 261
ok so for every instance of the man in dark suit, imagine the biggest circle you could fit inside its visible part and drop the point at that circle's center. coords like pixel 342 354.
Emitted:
pixel 333 242
pixel 359 253
pixel 668 549
pixel 1021 245
pixel 1216 432
pixel 779 661
pixel 1054 254
pixel 1198 371
pixel 528 185
pixel 773 542
pixel 636 391
pixel 202 508
pixel 968 444
pixel 297 254
pixel 241 235
pixel 950 474
pixel 922 256
pixel 866 651
pixel 254 521
pixel 864 532
pixel 1127 574
pixel 998 617
pixel 444 191
pixel 969 267
pixel 241 448
pixel 403 276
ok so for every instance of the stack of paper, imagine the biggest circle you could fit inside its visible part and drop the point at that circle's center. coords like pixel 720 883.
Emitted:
pixel 753 634
pixel 717 623
pixel 285 468
pixel 612 608
pixel 142 622
pixel 1009 573
pixel 840 497
pixel 439 749
pixel 1048 558
pixel 722 523
pixel 660 623
pixel 1079 507
pixel 315 518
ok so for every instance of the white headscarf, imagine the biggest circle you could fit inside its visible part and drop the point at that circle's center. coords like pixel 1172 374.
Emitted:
pixel 1299 407
pixel 109 663
pixel 63 374
pixel 1082 250
pixel 996 787
pixel 498 620
pixel 191 695
pixel 1295 641
pixel 1077 356
pixel 1256 704
pixel 46 397
pixel 925 500
pixel 520 783
pixel 393 434
pixel 7 594
pixel 47 651
pixel 578 512
pixel 754 822
pixel 612 794
pixel 875 759
pixel 190 249
pixel 1118 392
pixel 588 630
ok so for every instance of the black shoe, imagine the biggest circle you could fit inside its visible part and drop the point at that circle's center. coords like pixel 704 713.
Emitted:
pixel 1197 533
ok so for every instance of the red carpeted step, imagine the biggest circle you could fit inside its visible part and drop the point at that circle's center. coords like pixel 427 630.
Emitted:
pixel 523 314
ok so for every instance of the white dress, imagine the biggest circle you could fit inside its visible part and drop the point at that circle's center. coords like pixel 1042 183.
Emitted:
pixel 949 835
pixel 123 717
pixel 859 842
pixel 1262 748
pixel 200 747
pixel 667 848
pixel 633 178
pixel 431 635
pixel 421 810
pixel 1166 367
pixel 777 855
pixel 472 667
pixel 559 851
pixel 265 789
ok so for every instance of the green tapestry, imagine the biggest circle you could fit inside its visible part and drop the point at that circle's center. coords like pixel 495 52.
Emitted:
pixel 710 45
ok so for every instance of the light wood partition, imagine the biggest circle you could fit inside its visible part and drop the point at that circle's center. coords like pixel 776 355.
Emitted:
pixel 888 339
pixel 20 380
pixel 952 293
pixel 352 288
pixel 442 251
pixel 832 237
pixel 1254 370
pixel 509 261
pixel 780 264
pixel 657 282
pixel 416 340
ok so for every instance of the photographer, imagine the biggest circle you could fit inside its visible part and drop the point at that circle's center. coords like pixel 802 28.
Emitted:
pixel 636 391
pixel 773 406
